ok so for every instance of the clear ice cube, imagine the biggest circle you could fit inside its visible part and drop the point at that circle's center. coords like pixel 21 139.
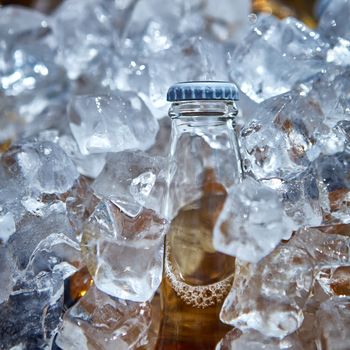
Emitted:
pixel 133 180
pixel 43 166
pixel 101 322
pixel 123 254
pixel 279 140
pixel 252 222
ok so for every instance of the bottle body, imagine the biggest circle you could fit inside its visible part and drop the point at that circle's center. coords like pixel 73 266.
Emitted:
pixel 204 161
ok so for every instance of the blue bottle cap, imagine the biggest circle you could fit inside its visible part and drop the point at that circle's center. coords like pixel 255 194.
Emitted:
pixel 203 90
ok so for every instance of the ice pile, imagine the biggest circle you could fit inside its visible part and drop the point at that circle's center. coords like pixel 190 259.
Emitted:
pixel 84 144
pixel 99 321
pixel 39 249
pixel 296 143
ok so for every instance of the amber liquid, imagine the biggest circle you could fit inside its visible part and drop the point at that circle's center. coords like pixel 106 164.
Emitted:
pixel 196 277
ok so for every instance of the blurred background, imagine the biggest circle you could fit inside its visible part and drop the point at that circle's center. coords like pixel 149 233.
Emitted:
pixel 302 9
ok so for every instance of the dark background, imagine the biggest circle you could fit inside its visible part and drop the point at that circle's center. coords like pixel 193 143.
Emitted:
pixel 302 9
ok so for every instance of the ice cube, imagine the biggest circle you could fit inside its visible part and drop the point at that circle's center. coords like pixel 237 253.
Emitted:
pixel 263 64
pixel 328 89
pixel 333 325
pixel 123 254
pixel 43 166
pixel 334 281
pixel 7 226
pixel 31 315
pixel 157 23
pixel 19 24
pixel 34 175
pixel 89 165
pixel 112 123
pixel 31 83
pixel 101 322
pixel 280 141
pixel 334 20
pixel 194 58
pixel 227 19
pixel 332 174
pixel 252 222
pixel 7 274
pixel 32 299
pixel 300 196
pixel 253 340
pixel 31 230
pixel 133 180
pixel 83 33
pixel 55 251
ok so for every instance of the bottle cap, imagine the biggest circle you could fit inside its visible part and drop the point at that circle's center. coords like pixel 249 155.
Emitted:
pixel 203 90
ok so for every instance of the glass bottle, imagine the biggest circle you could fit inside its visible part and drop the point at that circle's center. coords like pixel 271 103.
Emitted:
pixel 204 161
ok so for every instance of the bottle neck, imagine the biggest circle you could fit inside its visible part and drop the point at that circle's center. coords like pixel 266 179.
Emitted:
pixel 203 112
pixel 203 143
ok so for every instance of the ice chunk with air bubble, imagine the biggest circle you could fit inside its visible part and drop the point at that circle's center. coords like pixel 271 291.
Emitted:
pixel 157 24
